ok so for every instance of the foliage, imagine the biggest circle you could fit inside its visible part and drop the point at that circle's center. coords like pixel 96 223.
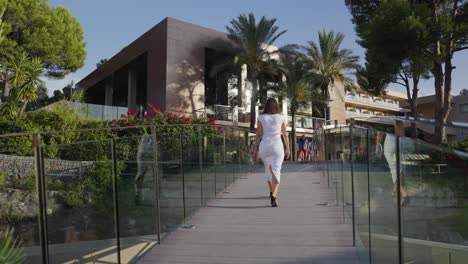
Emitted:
pixel 173 131
pixel 464 92
pixel 101 62
pixel 407 40
pixel 3 181
pixel 52 34
pixel 329 63
pixel 27 183
pixel 73 199
pixel 11 251
pixel 25 80
pixel 97 185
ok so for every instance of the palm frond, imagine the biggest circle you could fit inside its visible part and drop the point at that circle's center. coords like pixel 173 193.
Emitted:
pixel 11 251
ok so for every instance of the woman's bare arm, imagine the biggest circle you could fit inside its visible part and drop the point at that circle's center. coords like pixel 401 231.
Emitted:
pixel 285 135
pixel 258 138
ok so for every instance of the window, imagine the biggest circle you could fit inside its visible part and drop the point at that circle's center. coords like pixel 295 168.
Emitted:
pixel 464 108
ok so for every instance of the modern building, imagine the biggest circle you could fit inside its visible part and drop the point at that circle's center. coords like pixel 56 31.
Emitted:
pixel 171 66
pixel 458 115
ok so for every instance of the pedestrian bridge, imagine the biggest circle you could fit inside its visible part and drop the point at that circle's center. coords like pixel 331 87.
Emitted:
pixel 191 194
pixel 240 226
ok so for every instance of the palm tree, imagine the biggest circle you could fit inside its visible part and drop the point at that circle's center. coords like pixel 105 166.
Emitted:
pixel 252 43
pixel 329 63
pixel 27 91
pixel 297 88
pixel 24 80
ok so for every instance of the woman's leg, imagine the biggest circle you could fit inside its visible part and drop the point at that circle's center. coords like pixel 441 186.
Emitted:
pixel 269 186
pixel 274 183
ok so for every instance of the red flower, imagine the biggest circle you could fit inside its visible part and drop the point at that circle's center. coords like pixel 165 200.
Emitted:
pixel 130 124
pixel 187 119
pixel 155 108
pixel 123 116
pixel 149 113
pixel 132 112
pixel 145 117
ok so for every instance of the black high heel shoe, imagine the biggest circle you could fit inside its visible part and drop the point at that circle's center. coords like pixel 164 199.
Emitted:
pixel 274 203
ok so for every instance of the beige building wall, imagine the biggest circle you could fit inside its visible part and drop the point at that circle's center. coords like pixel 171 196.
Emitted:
pixel 337 103
pixel 186 43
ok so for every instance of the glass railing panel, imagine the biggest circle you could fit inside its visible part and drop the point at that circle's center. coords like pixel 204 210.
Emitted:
pixel 172 179
pixel 383 206
pixel 95 111
pixel 18 187
pixel 137 193
pixel 434 204
pixel 230 152
pixel 346 177
pixel 219 161
pixel 209 165
pixel 109 112
pixel 361 196
pixel 337 167
pixel 192 169
pixel 80 199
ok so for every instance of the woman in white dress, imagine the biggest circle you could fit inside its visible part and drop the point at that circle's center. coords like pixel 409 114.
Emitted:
pixel 271 125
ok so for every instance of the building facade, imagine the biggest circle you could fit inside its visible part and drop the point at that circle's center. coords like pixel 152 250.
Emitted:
pixel 171 66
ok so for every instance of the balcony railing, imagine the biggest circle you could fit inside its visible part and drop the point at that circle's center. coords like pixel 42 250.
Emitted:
pixel 241 115
pixel 395 106
pixel 407 199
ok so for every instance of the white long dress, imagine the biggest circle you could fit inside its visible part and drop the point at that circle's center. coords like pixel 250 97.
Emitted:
pixel 271 149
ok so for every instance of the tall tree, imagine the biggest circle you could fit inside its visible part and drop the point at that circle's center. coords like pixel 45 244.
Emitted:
pixel 51 34
pixel 449 28
pixel 431 31
pixel 252 41
pixel 399 53
pixel 329 63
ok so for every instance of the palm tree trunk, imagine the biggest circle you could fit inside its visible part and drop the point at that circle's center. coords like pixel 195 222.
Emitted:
pixel 6 85
pixel 253 102
pixel 293 135
pixel 23 108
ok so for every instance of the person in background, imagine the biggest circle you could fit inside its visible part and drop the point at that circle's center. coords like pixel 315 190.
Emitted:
pixel 302 148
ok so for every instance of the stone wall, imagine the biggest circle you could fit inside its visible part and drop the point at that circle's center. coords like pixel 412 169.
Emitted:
pixel 22 166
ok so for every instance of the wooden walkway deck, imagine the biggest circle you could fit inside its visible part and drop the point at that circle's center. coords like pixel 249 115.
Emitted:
pixel 241 227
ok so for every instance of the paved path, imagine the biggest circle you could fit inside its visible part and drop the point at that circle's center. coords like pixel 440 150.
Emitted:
pixel 241 227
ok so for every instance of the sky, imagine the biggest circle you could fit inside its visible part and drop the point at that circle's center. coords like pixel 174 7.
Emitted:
pixel 110 25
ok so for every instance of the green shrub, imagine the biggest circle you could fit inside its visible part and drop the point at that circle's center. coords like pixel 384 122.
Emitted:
pixel 73 199
pixel 26 183
pixel 3 181
pixel 97 184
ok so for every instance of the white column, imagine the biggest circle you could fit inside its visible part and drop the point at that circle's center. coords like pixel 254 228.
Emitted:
pixel 109 90
pixel 132 88
pixel 243 77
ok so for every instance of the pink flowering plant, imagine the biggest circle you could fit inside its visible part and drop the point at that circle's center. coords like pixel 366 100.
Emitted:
pixel 174 130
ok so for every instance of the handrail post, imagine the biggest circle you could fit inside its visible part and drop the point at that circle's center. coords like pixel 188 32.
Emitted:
pixel 368 196
pixel 200 163
pixel 116 197
pixel 399 132
pixel 42 199
pixel 325 150
pixel 215 165
pixel 351 155
pixel 342 171
pixel 224 160
pixel 156 169
pixel 182 174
